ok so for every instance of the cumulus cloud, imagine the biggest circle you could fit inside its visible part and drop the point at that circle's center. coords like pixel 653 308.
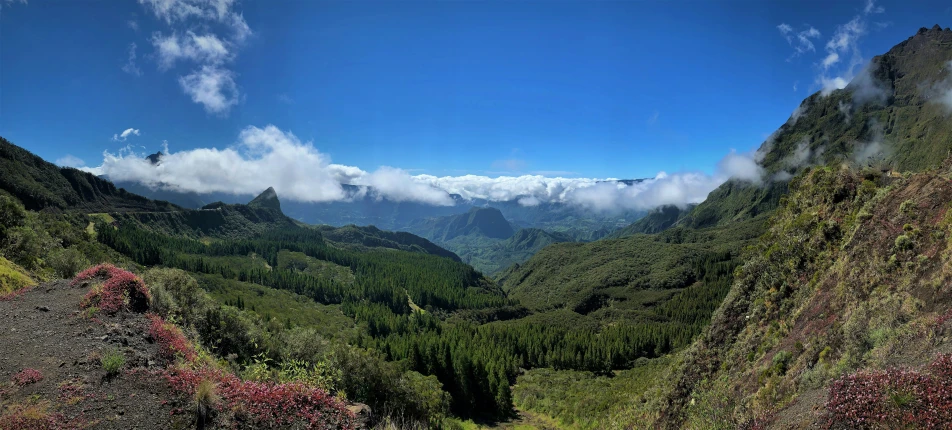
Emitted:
pixel 130 67
pixel 205 48
pixel 800 41
pixel 268 156
pixel 182 11
pixel 206 34
pixel 70 161
pixel 212 87
pixel 121 137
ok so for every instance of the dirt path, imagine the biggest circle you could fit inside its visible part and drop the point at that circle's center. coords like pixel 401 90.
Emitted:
pixel 44 330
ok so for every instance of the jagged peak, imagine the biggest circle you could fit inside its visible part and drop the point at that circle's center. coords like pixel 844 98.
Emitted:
pixel 267 199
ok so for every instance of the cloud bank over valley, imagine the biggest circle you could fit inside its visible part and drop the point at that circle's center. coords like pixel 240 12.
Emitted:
pixel 269 156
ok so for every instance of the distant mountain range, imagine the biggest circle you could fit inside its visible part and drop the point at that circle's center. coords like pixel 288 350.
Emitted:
pixel 484 238
pixel 365 206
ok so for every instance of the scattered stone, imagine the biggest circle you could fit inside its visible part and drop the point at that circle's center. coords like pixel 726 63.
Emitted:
pixel 43 308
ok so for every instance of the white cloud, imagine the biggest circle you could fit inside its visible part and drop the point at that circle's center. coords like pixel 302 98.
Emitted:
pixel 800 41
pixel 843 44
pixel 268 156
pixel 121 137
pixel 207 33
pixel 70 161
pixel 871 8
pixel 133 24
pixel 130 67
pixel 205 49
pixel 828 85
pixel 212 87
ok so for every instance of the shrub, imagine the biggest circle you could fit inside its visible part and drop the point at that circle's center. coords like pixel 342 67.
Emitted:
pixel 104 270
pixel 122 290
pixel 112 361
pixel 904 242
pixel 265 404
pixel 66 262
pixel 171 340
pixel 27 376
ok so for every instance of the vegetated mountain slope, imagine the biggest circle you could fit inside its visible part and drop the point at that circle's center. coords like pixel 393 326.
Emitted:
pixel 42 185
pixel 363 238
pixel 267 199
pixel 487 222
pixel 890 117
pixel 611 275
pixel 853 273
pixel 656 221
pixel 484 238
pixel 492 255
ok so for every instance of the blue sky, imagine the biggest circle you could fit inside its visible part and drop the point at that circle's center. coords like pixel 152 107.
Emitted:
pixel 559 88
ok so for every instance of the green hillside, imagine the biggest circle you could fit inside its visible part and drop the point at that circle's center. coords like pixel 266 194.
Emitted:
pixel 486 222
pixel 42 185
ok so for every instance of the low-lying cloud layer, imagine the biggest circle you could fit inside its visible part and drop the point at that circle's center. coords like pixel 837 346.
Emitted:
pixel 268 156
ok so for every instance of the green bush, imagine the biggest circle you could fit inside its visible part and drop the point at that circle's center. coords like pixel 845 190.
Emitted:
pixel 66 262
pixel 112 361
pixel 904 242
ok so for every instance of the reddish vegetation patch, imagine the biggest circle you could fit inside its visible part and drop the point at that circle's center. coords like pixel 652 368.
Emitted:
pixel 23 417
pixel 267 404
pixel 27 377
pixel 121 290
pixel 894 398
pixel 12 295
pixel 172 342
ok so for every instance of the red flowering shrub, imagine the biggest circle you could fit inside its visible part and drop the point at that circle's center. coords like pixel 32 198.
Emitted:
pixel 121 290
pixel 172 342
pixel 27 377
pixel 894 398
pixel 267 404
pixel 104 270
pixel 32 417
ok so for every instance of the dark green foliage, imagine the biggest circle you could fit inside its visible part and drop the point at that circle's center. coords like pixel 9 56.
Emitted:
pixel 42 185
pixel 655 221
pixel 492 255
pixel 579 399
pixel 487 222
pixel 621 276
pixel 363 238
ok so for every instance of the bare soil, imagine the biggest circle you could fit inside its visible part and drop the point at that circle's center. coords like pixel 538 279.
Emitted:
pixel 44 329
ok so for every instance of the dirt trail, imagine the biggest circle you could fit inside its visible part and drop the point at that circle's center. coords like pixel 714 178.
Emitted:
pixel 43 329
